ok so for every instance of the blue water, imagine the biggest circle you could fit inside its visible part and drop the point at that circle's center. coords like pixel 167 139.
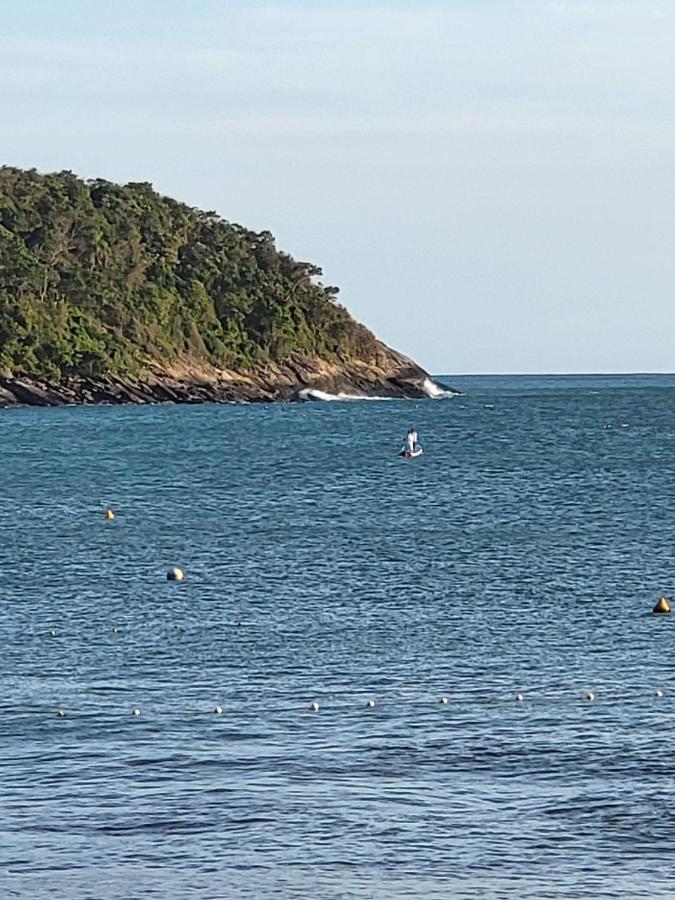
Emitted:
pixel 521 554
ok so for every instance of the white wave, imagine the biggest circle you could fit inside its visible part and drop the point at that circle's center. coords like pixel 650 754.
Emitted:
pixel 435 391
pixel 312 394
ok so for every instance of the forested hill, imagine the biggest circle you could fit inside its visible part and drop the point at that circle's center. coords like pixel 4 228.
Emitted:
pixel 104 280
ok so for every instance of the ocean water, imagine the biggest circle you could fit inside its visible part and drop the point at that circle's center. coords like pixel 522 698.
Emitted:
pixel 521 554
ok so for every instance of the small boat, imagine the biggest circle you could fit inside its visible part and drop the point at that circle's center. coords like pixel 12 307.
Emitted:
pixel 411 454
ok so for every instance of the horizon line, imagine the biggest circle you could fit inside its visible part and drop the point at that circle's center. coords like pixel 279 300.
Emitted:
pixel 548 374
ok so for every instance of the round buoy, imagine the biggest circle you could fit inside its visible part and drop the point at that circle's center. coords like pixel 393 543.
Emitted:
pixel 52 633
pixel 443 700
pixel 658 692
pixel 175 574
pixel 662 606
pixel 115 629
pixel 137 712
pixel 314 707
pixel 109 514
pixel 590 696
pixel 519 697
pixel 370 704
pixel 218 710
pixel 60 713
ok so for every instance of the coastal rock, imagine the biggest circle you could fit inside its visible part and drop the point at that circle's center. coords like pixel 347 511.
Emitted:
pixel 394 376
pixel 7 398
pixel 28 393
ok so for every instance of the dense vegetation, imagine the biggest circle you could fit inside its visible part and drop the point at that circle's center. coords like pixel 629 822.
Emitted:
pixel 98 278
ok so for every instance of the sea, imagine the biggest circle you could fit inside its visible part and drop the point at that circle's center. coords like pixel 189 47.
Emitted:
pixel 380 679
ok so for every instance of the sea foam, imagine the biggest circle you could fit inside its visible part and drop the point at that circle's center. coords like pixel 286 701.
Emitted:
pixel 312 394
pixel 435 391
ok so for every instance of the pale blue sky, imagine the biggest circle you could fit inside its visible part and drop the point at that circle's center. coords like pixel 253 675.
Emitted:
pixel 490 182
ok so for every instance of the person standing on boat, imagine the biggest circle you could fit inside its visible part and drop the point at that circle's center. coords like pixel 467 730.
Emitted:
pixel 411 440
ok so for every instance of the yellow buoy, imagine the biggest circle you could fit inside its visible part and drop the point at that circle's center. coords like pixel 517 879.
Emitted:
pixel 109 514
pixel 175 574
pixel 662 606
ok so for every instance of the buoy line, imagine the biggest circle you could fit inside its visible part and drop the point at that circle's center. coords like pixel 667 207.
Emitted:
pixel 536 699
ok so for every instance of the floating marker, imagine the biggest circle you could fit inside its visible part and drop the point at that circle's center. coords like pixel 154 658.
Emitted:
pixel 52 633
pixel 60 713
pixel 109 514
pixel 519 697
pixel 443 700
pixel 590 696
pixel 218 710
pixel 658 693
pixel 662 606
pixel 115 629
pixel 137 712
pixel 314 707
pixel 175 574
pixel 370 704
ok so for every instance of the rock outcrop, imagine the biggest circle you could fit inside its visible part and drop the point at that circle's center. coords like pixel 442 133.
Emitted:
pixel 394 375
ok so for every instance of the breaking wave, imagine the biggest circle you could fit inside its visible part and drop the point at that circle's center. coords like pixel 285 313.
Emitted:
pixel 429 387
pixel 312 394
pixel 435 391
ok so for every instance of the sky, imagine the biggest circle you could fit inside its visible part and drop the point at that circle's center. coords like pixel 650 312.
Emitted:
pixel 491 183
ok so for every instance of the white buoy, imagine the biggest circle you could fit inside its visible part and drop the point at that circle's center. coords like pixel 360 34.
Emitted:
pixel 314 707
pixel 60 713
pixel 659 692
pixel 590 696
pixel 175 574
pixel 519 698
pixel 370 704
pixel 115 629
pixel 137 712
pixel 443 700
pixel 52 633
pixel 218 710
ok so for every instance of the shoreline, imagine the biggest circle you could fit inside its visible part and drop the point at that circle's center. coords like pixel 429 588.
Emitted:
pixel 299 379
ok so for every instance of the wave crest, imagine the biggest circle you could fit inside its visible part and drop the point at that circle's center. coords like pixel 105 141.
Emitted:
pixel 313 394
pixel 435 391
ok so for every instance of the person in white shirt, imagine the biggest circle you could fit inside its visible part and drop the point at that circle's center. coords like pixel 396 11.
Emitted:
pixel 411 440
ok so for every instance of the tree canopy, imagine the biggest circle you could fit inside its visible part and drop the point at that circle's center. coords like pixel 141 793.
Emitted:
pixel 98 278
